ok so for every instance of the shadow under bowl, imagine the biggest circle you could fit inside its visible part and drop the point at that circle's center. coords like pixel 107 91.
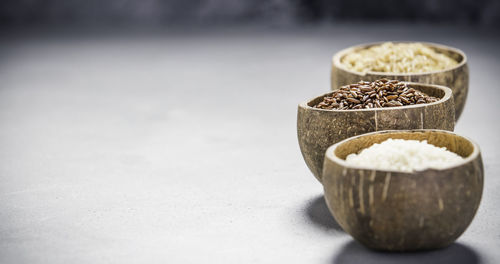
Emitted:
pixel 401 211
pixel 457 77
pixel 318 129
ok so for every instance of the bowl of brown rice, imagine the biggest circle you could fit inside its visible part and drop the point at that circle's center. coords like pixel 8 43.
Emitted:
pixel 420 62
pixel 365 107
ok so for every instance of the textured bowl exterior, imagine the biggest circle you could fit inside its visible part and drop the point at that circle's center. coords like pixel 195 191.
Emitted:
pixel 399 211
pixel 317 129
pixel 456 78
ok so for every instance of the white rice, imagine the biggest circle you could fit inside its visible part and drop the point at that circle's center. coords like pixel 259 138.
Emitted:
pixel 404 155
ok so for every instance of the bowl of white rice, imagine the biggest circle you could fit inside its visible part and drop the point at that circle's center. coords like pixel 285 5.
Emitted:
pixel 420 62
pixel 404 190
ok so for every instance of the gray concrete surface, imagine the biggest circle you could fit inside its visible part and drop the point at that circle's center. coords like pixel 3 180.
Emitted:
pixel 180 146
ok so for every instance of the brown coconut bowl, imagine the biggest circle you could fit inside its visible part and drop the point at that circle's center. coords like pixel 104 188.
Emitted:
pixel 317 129
pixel 457 77
pixel 398 211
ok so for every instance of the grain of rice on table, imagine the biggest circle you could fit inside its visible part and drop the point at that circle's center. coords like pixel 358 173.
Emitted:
pixel 404 155
pixel 398 58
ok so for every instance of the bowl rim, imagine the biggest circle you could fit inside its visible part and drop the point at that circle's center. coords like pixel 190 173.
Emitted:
pixel 336 59
pixel 447 96
pixel 330 151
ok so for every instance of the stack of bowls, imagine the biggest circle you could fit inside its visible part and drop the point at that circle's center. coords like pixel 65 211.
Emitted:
pixel 392 210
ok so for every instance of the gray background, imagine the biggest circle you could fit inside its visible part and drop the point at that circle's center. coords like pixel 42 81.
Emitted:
pixel 164 131
pixel 179 146
pixel 484 13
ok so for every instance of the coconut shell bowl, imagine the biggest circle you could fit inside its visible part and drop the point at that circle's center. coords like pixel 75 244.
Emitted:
pixel 318 129
pixel 456 77
pixel 401 211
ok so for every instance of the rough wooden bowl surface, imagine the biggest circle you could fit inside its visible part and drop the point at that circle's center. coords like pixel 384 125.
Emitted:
pixel 456 78
pixel 399 211
pixel 317 129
